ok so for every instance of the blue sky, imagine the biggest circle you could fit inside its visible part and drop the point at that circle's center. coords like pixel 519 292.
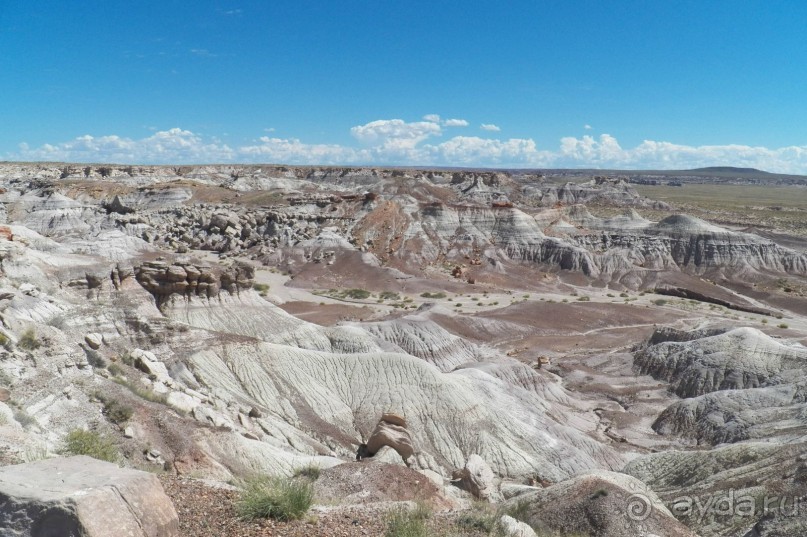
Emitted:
pixel 631 84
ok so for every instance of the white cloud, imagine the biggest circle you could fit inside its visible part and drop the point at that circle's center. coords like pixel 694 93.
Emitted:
pixel 203 53
pixel 434 118
pixel 489 127
pixel 472 150
pixel 174 145
pixel 587 127
pixel 455 123
pixel 279 150
pixel 395 141
pixel 395 134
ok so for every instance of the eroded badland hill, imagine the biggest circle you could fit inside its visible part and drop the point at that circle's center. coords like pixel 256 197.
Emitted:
pixel 584 357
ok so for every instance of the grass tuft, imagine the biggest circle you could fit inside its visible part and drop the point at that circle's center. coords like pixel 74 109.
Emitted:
pixel 29 341
pixel 404 522
pixel 92 444
pixel 281 499
pixel 310 471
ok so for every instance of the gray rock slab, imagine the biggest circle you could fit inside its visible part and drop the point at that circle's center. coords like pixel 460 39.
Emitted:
pixel 83 497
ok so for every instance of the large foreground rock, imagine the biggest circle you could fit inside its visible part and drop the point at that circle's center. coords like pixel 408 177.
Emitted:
pixel 600 504
pixel 83 497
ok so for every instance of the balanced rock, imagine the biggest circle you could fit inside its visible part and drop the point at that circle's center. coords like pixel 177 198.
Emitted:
pixel 390 431
pixel 83 497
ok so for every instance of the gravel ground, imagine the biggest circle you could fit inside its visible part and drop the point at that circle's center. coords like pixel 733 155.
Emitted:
pixel 207 511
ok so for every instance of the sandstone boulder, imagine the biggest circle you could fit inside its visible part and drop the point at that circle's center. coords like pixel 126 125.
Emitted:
pixel 83 497
pixel 93 341
pixel 391 431
pixel 515 528
pixel 477 478
pixel 147 362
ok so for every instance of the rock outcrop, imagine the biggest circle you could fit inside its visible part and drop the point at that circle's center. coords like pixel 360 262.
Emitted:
pixel 734 359
pixel 477 478
pixel 83 497
pixel 184 280
pixel 600 503
pixel 390 432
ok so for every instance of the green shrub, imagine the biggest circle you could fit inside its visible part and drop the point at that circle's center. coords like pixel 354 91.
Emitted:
pixel 584 299
pixel 358 294
pixel 92 444
pixel 519 510
pixel 389 295
pixel 115 370
pixel 95 359
pixel 24 418
pixel 783 325
pixel 659 302
pixel 141 391
pixel 311 472
pixel 623 295
pixel 28 340
pixel 5 342
pixel 117 412
pixel 433 295
pixel 408 523
pixel 281 499
pixel 480 519
pixel 262 288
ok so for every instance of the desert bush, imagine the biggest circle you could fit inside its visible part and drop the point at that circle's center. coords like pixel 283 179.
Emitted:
pixel 24 418
pixel 659 302
pixel 117 412
pixel 95 359
pixel 482 518
pixel 262 288
pixel 623 295
pixel 90 443
pixel 389 295
pixel 281 499
pixel 35 453
pixel 519 511
pixel 115 370
pixel 404 522
pixel 310 471
pixel 57 321
pixel 29 341
pixel 5 342
pixel 141 391
pixel 584 299
pixel 433 295
pixel 359 294
pixel 783 325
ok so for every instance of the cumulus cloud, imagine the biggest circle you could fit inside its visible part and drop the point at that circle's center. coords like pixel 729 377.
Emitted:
pixel 294 151
pixel 489 127
pixel 455 123
pixel 434 118
pixel 587 127
pixel 395 141
pixel 174 145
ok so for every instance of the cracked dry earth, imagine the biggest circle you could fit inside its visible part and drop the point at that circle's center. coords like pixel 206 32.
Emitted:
pixel 207 510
